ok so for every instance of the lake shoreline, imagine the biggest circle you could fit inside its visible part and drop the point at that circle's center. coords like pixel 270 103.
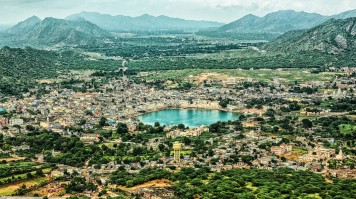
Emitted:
pixel 193 117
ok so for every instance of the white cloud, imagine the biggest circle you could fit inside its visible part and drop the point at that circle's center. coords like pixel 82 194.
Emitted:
pixel 13 11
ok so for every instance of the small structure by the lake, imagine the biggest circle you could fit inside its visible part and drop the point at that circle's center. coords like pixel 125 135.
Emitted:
pixel 176 151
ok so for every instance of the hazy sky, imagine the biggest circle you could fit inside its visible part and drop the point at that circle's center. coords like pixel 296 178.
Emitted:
pixel 13 11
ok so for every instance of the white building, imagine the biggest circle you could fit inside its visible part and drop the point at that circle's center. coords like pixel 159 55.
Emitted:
pixel 231 81
pixel 14 121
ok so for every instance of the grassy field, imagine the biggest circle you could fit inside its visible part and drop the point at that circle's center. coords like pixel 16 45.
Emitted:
pixel 287 76
pixel 11 189
pixel 24 175
pixel 18 164
pixel 299 150
pixel 347 128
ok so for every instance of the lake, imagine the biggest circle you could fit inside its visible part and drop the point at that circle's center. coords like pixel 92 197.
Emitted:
pixel 188 117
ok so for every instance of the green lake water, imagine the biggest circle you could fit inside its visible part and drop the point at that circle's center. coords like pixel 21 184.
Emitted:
pixel 188 117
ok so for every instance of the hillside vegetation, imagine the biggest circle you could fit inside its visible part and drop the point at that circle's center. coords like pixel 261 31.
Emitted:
pixel 51 31
pixel 333 36
pixel 142 23
pixel 269 27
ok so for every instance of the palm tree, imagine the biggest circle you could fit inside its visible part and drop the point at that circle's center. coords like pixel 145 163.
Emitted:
pixel 18 127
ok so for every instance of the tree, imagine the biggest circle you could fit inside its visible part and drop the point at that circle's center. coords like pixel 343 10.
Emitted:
pixel 223 103
pixel 270 113
pixel 186 140
pixel 307 123
pixel 83 121
pixel 30 128
pixel 102 121
pixel 39 172
pixel 181 126
pixel 18 127
pixel 102 192
pixel 157 124
pixel 23 186
pixel 238 126
pixel 161 147
pixel 122 129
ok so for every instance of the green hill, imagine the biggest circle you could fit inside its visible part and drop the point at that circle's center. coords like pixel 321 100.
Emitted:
pixel 51 31
pixel 333 37
pixel 142 23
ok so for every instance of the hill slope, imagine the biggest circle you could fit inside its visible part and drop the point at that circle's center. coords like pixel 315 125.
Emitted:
pixel 141 23
pixel 24 26
pixel 20 67
pixel 51 31
pixel 277 22
pixel 345 15
pixel 334 36
pixel 274 24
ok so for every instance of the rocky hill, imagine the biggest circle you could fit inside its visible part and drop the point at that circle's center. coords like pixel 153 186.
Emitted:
pixel 273 24
pixel 142 23
pixel 277 22
pixel 51 31
pixel 334 36
pixel 24 26
pixel 17 62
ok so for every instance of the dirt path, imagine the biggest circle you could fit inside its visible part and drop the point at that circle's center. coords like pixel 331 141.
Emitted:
pixel 12 159
pixel 10 188
pixel 206 76
pixel 152 183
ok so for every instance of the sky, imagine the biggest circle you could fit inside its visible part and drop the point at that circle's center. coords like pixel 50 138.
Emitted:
pixel 13 11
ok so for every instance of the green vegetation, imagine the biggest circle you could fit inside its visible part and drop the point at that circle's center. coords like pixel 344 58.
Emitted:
pixel 124 178
pixel 79 184
pixel 251 183
pixel 243 183
pixel 289 76
pixel 347 129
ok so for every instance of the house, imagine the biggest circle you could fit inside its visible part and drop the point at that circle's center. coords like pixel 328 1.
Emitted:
pixel 282 149
pixel 3 121
pixel 231 81
pixel 90 138
pixel 14 121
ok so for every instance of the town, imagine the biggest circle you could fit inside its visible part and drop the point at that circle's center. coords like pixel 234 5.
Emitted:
pixel 301 125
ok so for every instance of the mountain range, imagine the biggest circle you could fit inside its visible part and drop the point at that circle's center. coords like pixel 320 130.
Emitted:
pixel 93 28
pixel 274 24
pixel 333 37
pixel 331 43
pixel 51 31
pixel 142 23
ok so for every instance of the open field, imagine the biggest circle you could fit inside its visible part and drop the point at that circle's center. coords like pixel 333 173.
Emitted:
pixel 10 189
pixel 264 75
pixel 50 190
pixel 347 128
pixel 20 173
pixel 12 159
pixel 149 184
pixel 23 175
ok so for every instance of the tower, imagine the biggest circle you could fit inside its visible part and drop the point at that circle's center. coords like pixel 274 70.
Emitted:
pixel 176 151
pixel 340 155
pixel 123 69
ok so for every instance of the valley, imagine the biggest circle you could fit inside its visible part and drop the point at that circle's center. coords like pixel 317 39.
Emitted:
pixel 110 106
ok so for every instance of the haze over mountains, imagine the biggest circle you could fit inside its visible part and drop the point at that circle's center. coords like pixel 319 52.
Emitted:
pixel 142 23
pixel 334 36
pixel 91 27
pixel 275 24
pixel 331 43
pixel 51 31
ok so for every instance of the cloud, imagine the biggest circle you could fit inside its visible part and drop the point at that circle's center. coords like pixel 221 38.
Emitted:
pixel 13 11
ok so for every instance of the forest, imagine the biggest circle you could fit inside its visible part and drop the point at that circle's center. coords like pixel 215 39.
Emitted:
pixel 251 184
pixel 21 68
